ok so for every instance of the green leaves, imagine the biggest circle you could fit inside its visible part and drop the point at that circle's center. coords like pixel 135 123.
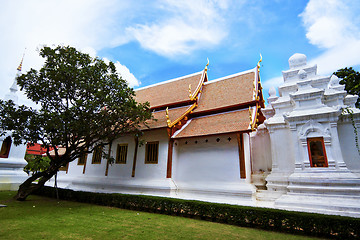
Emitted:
pixel 83 103
pixel 36 163
pixel 351 79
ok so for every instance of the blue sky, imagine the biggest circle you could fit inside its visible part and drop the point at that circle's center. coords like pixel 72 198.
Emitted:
pixel 153 41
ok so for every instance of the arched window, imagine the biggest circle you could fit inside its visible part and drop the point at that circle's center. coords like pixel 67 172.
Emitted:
pixel 5 147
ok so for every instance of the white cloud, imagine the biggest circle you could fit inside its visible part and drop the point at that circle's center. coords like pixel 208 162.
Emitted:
pixel 88 25
pixel 125 73
pixel 184 27
pixel 334 27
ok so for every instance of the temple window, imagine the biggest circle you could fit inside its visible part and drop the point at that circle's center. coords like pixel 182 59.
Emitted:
pixel 5 147
pixel 151 152
pixel 317 153
pixel 121 153
pixel 82 159
pixel 97 155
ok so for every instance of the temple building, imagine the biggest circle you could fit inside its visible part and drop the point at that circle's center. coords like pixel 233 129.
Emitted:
pixel 214 140
pixel 198 147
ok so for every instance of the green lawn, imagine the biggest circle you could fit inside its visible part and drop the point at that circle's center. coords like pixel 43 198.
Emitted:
pixel 46 218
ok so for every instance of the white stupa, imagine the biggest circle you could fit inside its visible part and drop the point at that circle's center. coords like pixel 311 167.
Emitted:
pixel 12 159
pixel 315 161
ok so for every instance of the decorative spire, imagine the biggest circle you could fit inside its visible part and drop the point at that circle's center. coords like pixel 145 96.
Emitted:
pixel 258 64
pixel 167 117
pixel 20 65
pixel 206 67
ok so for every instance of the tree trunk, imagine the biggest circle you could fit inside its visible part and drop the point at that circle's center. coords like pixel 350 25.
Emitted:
pixel 27 188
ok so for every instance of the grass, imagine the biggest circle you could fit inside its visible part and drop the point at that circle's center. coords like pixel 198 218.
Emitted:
pixel 46 218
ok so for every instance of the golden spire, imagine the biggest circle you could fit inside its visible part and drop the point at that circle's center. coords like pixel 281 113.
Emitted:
pixel 20 65
pixel 258 64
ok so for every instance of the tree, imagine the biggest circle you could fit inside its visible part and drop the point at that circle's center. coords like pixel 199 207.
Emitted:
pixel 84 104
pixel 351 79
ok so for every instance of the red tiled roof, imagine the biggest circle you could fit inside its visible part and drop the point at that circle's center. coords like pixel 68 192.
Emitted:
pixel 168 93
pixel 236 121
pixel 235 90
pixel 174 113
pixel 35 149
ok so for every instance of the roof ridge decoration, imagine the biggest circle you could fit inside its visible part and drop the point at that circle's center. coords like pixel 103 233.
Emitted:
pixel 254 114
pixel 193 97
pixel 258 64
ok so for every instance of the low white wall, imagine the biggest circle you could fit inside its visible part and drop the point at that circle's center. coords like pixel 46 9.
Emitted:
pixel 348 147
pixel 261 151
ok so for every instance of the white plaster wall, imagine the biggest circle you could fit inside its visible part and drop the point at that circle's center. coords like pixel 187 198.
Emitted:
pixel 247 155
pixel 348 147
pixel 206 163
pixel 122 170
pixel 153 171
pixel 75 169
pixel 261 151
pixel 282 151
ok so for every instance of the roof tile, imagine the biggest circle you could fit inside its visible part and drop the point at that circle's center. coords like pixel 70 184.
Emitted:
pixel 236 121
pixel 168 93
pixel 227 92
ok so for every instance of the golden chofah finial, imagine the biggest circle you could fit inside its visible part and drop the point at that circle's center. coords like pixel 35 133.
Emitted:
pixel 258 64
pixel 167 116
pixel 206 67
pixel 250 114
pixel 190 95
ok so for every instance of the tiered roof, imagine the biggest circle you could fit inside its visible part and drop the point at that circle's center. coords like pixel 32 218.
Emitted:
pixel 191 106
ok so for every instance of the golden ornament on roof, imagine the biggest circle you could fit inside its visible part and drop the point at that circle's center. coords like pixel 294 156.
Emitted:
pixel 206 67
pixel 258 65
pixel 167 116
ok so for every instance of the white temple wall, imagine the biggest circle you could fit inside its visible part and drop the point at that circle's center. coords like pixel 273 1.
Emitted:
pixel 261 151
pixel 247 153
pixel 153 171
pixel 348 147
pixel 206 161
pixel 122 170
pixel 94 170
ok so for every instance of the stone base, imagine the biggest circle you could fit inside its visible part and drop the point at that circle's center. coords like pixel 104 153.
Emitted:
pixel 278 181
pixel 322 191
pixel 240 193
pixel 334 205
pixel 10 180
pixel 116 185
